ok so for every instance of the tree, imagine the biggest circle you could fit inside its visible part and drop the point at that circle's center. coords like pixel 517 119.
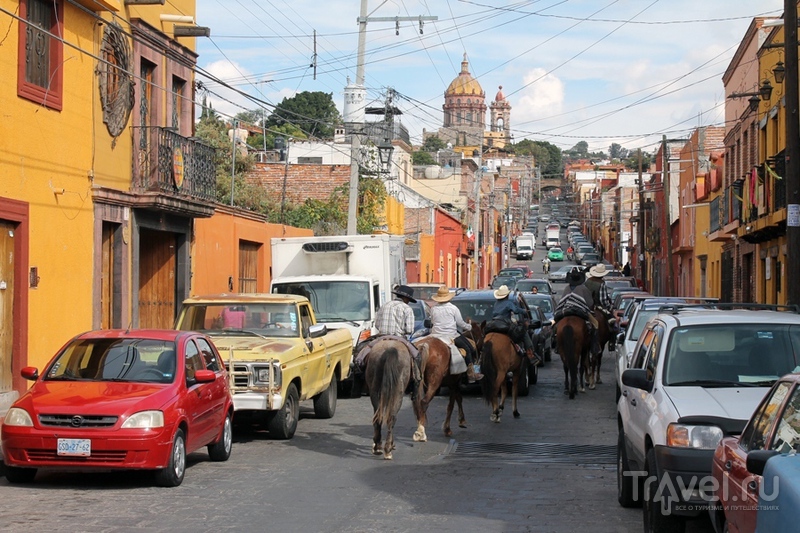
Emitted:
pixel 581 149
pixel 614 151
pixel 547 156
pixel 422 158
pixel 314 113
pixel 433 144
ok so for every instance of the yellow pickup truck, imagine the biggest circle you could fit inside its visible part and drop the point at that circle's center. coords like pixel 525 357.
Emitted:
pixel 276 354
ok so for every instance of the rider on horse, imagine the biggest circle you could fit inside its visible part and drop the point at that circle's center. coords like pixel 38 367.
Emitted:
pixel 597 285
pixel 582 306
pixel 394 318
pixel 504 308
pixel 446 322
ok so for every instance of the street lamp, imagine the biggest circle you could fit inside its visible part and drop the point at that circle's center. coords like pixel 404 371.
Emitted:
pixel 385 150
pixel 764 93
pixel 779 71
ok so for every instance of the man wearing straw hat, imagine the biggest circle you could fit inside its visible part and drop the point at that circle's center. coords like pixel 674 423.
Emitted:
pixel 446 322
pixel 504 308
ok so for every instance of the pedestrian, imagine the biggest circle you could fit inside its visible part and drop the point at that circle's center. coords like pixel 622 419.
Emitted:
pixel 448 325
pixel 626 270
pixel 506 311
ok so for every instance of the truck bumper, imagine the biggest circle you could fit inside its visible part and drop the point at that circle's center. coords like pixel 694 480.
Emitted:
pixel 688 471
pixel 255 401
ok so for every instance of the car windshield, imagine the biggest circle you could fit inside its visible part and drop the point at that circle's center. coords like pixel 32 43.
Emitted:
pixel 332 300
pixel 419 311
pixel 475 309
pixel 129 359
pixel 641 320
pixel 545 304
pixel 508 281
pixel 731 355
pixel 513 272
pixel 257 319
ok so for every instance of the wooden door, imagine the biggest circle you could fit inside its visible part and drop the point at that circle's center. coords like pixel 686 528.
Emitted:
pixel 6 304
pixel 108 275
pixel 248 267
pixel 157 279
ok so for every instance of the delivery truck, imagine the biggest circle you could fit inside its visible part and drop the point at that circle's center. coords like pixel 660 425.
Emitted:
pixel 525 246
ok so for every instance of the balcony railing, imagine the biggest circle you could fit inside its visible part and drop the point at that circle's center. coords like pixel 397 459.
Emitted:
pixel 715 215
pixel 169 163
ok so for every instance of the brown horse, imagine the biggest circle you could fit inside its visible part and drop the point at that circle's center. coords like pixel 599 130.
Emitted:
pixel 604 336
pixel 389 372
pixel 572 338
pixel 435 370
pixel 499 357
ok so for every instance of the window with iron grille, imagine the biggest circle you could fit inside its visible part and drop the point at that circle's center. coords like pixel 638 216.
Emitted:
pixel 39 76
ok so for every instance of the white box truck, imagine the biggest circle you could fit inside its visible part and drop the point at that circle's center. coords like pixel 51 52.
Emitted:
pixel 525 246
pixel 345 277
pixel 552 237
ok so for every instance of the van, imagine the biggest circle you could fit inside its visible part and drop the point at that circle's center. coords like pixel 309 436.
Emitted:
pixel 551 242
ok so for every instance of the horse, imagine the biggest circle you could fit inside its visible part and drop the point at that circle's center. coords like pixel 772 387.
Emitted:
pixel 604 336
pixel 435 370
pixel 573 342
pixel 499 357
pixel 389 372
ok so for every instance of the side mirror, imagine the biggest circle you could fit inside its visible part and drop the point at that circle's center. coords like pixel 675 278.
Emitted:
pixel 317 330
pixel 621 338
pixel 536 324
pixel 757 460
pixel 204 376
pixel 637 378
pixel 427 323
pixel 31 373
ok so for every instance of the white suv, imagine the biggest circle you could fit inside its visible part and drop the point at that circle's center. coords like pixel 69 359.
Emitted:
pixel 696 375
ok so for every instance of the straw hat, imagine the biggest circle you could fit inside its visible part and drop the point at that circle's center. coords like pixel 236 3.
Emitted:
pixel 502 292
pixel 598 271
pixel 443 295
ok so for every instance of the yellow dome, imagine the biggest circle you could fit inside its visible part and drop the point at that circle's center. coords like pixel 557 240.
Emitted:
pixel 464 84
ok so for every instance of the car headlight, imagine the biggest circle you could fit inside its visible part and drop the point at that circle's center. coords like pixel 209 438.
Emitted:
pixel 700 437
pixel 261 375
pixel 18 417
pixel 145 420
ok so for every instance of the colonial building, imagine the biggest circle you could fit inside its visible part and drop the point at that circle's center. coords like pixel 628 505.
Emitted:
pixel 464 112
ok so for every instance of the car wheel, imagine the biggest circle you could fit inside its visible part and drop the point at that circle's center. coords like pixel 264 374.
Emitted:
pixel 221 450
pixel 654 520
pixel 624 482
pixel 16 474
pixel 172 475
pixel 283 423
pixel 325 402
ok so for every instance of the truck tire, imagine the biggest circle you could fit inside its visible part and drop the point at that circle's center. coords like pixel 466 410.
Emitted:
pixel 624 483
pixel 325 402
pixel 283 423
pixel 654 520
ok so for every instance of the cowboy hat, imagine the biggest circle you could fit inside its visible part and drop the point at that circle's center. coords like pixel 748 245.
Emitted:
pixel 502 292
pixel 598 271
pixel 404 291
pixel 443 295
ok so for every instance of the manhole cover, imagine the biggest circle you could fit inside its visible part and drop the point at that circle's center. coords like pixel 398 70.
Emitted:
pixel 534 452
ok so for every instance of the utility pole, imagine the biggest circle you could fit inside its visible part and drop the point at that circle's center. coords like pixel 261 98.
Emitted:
pixel 356 129
pixel 665 181
pixel 285 178
pixel 476 223
pixel 792 153
pixel 233 159
pixel 640 248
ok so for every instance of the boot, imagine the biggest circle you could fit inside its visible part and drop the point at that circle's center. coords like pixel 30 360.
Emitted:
pixel 473 376
pixel 533 358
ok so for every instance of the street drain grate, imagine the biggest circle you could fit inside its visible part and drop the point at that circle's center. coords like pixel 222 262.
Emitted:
pixel 534 452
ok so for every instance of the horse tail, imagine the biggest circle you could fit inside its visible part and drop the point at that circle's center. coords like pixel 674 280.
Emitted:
pixel 489 372
pixel 390 385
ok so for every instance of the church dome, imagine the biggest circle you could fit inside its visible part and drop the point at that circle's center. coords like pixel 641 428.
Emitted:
pixel 464 84
pixel 500 96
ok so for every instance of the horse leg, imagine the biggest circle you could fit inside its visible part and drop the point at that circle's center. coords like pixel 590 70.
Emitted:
pixel 388 446
pixel 514 382
pixel 446 424
pixel 590 373
pixel 496 408
pixel 597 368
pixel 376 438
pixel 566 379
pixel 422 419
pixel 462 420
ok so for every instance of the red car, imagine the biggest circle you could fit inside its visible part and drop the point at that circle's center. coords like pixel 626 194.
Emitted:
pixel 739 462
pixel 112 399
pixel 524 267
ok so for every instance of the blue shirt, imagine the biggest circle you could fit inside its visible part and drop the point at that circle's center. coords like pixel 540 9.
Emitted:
pixel 503 309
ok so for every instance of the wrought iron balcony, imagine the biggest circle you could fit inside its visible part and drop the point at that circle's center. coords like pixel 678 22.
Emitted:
pixel 173 165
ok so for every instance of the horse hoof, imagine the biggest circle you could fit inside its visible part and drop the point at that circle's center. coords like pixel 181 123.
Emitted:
pixel 516 414
pixel 599 381
pixel 463 424
pixel 420 436
pixel 591 387
pixel 582 389
pixel 376 449
pixel 387 456
pixel 572 396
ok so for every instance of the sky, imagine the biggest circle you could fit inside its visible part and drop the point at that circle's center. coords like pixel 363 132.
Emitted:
pixel 600 71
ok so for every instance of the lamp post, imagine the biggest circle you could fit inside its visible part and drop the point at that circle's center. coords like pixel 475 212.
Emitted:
pixel 792 151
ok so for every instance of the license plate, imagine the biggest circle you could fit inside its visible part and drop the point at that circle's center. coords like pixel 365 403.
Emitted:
pixel 79 447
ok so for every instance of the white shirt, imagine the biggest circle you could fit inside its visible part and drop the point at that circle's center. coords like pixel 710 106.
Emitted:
pixel 446 320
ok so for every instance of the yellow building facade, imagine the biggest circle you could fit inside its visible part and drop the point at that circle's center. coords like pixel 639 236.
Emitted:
pixel 99 181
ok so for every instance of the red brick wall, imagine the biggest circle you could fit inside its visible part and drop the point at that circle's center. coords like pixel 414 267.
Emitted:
pixel 302 180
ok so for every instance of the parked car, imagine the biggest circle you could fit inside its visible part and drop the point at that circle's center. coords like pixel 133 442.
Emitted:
pixel 542 285
pixel 524 267
pixel 590 259
pixel 696 376
pixel 424 291
pixel 422 311
pixel 555 254
pixel 614 282
pixel 547 304
pixel 762 461
pixel 581 250
pixel 513 271
pixel 508 281
pixel 113 399
pixel 560 275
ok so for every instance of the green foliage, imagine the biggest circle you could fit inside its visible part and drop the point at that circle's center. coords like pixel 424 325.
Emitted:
pixel 546 155
pixel 312 112
pixel 422 158
pixel 433 144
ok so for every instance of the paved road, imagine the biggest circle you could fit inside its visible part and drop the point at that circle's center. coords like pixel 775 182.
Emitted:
pixel 507 477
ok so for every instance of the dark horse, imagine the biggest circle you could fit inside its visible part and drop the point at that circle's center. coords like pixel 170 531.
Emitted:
pixel 572 338
pixel 435 372
pixel 499 357
pixel 604 336
pixel 389 372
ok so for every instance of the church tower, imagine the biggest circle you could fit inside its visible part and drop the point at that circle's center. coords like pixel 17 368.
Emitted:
pixel 464 111
pixel 500 126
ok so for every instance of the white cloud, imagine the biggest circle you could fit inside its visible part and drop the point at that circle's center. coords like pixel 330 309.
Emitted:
pixel 544 96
